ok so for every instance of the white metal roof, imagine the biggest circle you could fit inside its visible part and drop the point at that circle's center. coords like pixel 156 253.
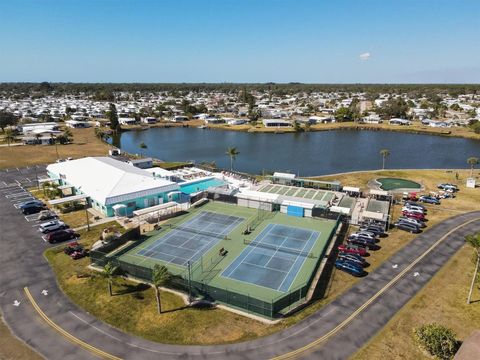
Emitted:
pixel 257 195
pixel 299 204
pixel 67 199
pixel 284 175
pixel 351 189
pixel 158 171
pixel 108 180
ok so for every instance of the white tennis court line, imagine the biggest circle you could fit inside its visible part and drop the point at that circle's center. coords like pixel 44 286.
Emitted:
pixel 301 265
pixel 258 240
pixel 190 222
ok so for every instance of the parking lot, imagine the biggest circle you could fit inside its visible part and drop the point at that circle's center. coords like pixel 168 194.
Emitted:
pixel 13 192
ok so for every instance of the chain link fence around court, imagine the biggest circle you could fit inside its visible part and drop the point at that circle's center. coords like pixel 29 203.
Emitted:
pixel 195 281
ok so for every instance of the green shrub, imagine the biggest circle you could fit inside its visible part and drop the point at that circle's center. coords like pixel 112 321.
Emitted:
pixel 437 340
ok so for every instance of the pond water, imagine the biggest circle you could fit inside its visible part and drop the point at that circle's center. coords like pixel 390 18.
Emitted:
pixel 305 154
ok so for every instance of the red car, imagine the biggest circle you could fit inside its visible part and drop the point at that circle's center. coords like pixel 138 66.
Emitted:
pixel 60 235
pixel 353 249
pixel 415 215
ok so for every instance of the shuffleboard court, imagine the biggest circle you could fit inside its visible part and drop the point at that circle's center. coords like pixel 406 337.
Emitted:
pixel 274 258
pixel 190 240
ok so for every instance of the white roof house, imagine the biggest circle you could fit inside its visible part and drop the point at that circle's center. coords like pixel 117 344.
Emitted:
pixel 110 181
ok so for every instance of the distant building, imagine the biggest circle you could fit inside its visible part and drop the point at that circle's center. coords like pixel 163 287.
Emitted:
pixel 77 124
pixel 276 123
pixel 149 120
pixel 398 121
pixel 127 121
pixel 180 118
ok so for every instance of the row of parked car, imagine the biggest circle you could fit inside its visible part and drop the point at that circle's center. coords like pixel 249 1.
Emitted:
pixel 414 214
pixel 351 256
pixel 53 229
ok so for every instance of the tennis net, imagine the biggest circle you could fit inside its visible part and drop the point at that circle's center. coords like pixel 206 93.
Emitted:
pixel 276 248
pixel 200 232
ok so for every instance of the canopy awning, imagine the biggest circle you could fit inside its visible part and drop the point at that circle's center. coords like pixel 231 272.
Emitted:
pixel 379 192
pixel 351 189
pixel 68 199
pixel 155 208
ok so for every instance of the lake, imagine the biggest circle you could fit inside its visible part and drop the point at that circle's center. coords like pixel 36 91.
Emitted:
pixel 306 154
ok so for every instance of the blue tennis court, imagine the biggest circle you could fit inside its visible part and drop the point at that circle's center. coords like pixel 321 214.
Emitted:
pixel 274 258
pixel 191 239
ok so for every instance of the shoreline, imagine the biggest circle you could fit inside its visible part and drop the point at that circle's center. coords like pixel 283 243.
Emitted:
pixel 457 132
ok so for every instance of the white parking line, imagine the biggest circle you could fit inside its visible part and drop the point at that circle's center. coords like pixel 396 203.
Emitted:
pixel 22 193
pixel 21 200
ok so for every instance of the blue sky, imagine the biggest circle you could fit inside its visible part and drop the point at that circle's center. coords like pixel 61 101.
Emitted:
pixel 336 41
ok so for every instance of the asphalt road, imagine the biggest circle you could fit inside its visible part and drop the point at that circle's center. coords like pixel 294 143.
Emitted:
pixel 22 265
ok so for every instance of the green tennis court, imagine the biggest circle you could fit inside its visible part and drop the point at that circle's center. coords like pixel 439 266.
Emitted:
pixel 279 284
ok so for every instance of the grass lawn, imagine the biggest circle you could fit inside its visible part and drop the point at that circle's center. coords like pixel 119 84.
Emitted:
pixel 443 300
pixel 12 348
pixel 84 143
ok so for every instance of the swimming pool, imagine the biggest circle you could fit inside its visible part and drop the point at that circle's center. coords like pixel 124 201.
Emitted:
pixel 200 185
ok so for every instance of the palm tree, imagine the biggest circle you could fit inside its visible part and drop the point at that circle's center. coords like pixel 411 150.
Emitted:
pixel 109 272
pixel 160 277
pixel 473 241
pixel 472 161
pixel 68 135
pixel 384 153
pixel 9 136
pixel 232 152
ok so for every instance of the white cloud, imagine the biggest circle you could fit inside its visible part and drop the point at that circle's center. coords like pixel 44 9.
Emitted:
pixel 365 56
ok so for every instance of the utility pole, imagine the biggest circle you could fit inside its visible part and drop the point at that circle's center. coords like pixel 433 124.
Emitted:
pixel 88 220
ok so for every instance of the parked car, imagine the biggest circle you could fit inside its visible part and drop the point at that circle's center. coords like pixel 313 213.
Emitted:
pixel 361 237
pixel 410 196
pixel 429 200
pixel 415 203
pixel 353 249
pixel 72 247
pixel 31 202
pixel 78 254
pixel 365 234
pixel 378 231
pixel 447 186
pixel 46 215
pixel 413 209
pixel 60 235
pixel 417 222
pixel 415 206
pixel 53 225
pixel 414 215
pixel 367 243
pixel 349 267
pixel 355 258
pixel 412 228
pixel 31 209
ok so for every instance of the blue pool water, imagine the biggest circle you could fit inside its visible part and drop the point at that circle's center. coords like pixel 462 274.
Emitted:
pixel 200 185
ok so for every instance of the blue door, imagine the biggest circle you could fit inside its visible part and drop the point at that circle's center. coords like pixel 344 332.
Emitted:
pixel 295 211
